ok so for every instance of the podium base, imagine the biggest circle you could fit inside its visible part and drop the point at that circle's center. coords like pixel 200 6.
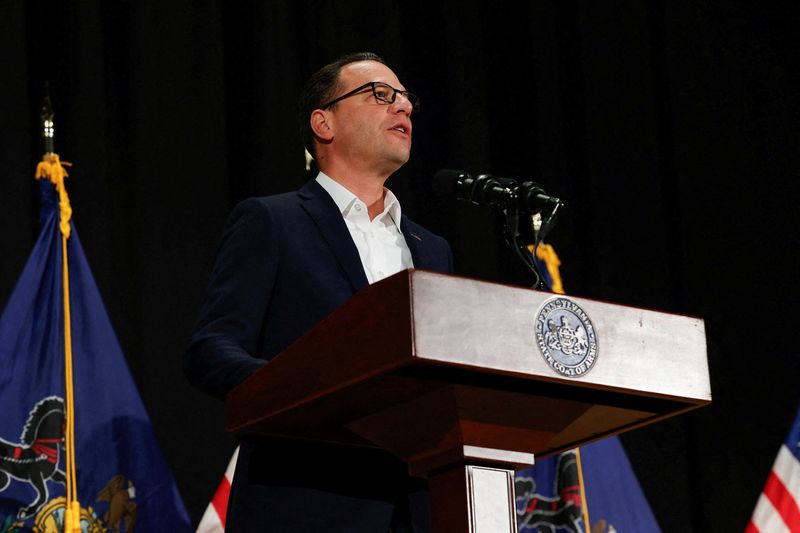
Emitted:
pixel 473 499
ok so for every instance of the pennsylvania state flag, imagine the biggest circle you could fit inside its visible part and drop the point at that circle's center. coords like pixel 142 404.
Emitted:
pixel 592 489
pixel 549 495
pixel 123 483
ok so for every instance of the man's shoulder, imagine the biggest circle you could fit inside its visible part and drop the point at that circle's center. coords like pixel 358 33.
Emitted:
pixel 281 202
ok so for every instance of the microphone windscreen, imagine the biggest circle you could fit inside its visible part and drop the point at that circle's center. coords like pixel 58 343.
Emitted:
pixel 445 181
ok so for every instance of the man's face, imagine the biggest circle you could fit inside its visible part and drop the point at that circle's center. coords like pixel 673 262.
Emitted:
pixel 368 134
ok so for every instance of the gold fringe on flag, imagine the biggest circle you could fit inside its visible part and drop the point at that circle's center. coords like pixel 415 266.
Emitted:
pixel 547 253
pixel 53 169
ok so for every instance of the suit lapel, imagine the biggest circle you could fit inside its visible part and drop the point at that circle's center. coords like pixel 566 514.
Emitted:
pixel 415 244
pixel 322 209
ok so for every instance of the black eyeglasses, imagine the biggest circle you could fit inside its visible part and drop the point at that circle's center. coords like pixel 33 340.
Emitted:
pixel 383 93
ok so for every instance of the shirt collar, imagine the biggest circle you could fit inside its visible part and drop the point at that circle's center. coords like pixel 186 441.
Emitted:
pixel 344 199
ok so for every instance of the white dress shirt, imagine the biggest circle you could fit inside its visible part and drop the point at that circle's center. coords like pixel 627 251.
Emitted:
pixel 380 243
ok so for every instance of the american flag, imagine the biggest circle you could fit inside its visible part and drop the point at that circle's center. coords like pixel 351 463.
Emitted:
pixel 213 520
pixel 778 507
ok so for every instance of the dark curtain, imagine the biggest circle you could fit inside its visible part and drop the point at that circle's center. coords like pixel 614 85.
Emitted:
pixel 670 129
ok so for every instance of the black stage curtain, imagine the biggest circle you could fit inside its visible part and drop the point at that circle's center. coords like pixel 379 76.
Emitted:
pixel 669 128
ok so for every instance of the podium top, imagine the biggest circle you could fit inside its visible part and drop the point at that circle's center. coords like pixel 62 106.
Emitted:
pixel 575 368
pixel 479 324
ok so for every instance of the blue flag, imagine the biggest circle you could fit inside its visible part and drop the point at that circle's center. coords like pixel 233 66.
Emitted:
pixel 123 483
pixel 550 498
pixel 549 495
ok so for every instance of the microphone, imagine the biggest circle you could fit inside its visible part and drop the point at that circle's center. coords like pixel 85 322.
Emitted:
pixel 529 197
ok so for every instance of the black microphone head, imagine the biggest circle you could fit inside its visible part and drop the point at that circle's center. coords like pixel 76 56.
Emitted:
pixel 533 198
pixel 447 181
pixel 531 188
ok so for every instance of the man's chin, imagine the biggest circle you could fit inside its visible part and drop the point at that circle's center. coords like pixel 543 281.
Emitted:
pixel 402 156
pixel 397 159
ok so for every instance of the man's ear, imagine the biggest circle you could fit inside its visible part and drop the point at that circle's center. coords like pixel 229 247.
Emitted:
pixel 321 126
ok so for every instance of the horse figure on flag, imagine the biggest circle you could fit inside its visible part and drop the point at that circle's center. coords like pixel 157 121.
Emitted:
pixel 560 510
pixel 35 458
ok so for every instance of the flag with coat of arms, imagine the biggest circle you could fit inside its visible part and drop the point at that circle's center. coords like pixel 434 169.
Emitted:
pixel 589 489
pixel 77 451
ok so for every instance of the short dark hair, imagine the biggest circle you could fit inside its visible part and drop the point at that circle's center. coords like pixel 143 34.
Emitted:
pixel 321 87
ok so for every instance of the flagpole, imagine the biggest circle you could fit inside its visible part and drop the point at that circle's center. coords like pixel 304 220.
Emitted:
pixel 582 486
pixel 53 169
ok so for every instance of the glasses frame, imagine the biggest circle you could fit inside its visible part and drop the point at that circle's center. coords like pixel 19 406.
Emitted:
pixel 412 98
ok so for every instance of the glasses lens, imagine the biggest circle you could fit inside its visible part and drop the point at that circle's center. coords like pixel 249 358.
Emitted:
pixel 388 94
pixel 383 93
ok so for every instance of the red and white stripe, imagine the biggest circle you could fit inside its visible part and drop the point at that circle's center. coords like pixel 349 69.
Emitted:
pixel 213 520
pixel 778 507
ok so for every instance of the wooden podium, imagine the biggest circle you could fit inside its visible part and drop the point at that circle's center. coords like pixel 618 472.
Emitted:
pixel 452 376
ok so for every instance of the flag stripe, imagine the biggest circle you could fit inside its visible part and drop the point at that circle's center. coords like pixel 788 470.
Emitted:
pixel 216 514
pixel 782 501
pixel 220 500
pixel 787 468
pixel 766 518
pixel 210 523
pixel 778 507
pixel 751 528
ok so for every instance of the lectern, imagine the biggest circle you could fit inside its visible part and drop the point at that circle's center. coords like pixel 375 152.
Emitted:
pixel 467 380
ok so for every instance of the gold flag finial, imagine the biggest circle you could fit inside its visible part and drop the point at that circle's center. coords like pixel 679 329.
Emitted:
pixel 51 167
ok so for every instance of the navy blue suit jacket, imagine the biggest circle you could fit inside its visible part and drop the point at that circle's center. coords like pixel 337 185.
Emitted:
pixel 285 263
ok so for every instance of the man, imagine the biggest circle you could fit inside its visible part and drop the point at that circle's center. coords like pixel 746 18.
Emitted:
pixel 285 263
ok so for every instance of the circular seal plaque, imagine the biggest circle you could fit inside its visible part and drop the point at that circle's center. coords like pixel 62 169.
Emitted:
pixel 566 337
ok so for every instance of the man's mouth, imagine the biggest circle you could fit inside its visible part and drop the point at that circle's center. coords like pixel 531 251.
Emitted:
pixel 403 128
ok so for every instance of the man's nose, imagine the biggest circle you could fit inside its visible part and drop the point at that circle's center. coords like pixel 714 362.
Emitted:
pixel 402 104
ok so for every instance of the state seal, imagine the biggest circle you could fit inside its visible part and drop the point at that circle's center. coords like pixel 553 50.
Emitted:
pixel 566 337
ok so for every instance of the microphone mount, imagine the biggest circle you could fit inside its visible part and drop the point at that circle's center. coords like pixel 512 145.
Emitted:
pixel 510 200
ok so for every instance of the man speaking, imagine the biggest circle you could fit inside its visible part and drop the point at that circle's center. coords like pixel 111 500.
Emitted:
pixel 284 264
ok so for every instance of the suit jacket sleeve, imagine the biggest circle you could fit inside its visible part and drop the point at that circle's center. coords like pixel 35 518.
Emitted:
pixel 226 338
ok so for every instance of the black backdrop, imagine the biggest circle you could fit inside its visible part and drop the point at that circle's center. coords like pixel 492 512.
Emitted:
pixel 669 128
